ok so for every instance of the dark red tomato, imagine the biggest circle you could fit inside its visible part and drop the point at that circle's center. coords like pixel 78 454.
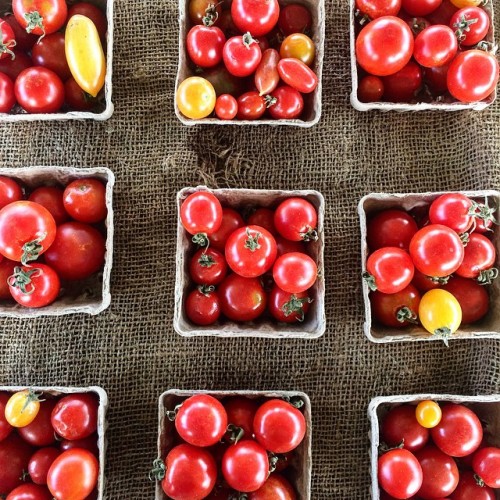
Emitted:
pixel 399 473
pixel 73 474
pixel 483 226
pixel 231 220
pixel 223 81
pixel 479 257
pixel 400 425
pixel 442 15
pixel 89 443
pixel 437 250
pixel 204 11
pixel 459 433
pixel 384 46
pixel 226 107
pixel 295 18
pixel 77 252
pixel 404 85
pixel 296 219
pixel 276 487
pixel 435 78
pixel 251 106
pixel 10 191
pixel 486 464
pixel 389 270
pixel 242 299
pixel 76 98
pixel 295 272
pixel 472 297
pixel 287 246
pixel 201 420
pixel 241 412
pixel 289 103
pixel 251 251
pixel 424 283
pixel 8 41
pixel 50 53
pixel 226 24
pixel 378 8
pixel 24 40
pixel 207 267
pixel 85 200
pixel 416 24
pixel 470 24
pixel 14 457
pixel 30 492
pixel 6 271
pixel 40 463
pixel 256 16
pixel 241 55
pixel 39 90
pixel 95 14
pixel 266 76
pixel 204 45
pixel 51 198
pixel 263 43
pixel 454 210
pixel 396 309
pixel 473 75
pixel 203 306
pixel 278 426
pixel 468 488
pixel 40 431
pixel 75 416
pixel 263 217
pixel 34 286
pixel 201 212
pixel 245 466
pixel 420 7
pixel 370 89
pixel 435 46
pixel 13 67
pixel 391 228
pixel 5 427
pixel 191 473
pixel 40 17
pixel 298 75
pixel 287 307
pixel 440 473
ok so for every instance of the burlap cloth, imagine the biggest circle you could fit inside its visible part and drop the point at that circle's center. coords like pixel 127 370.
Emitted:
pixel 132 351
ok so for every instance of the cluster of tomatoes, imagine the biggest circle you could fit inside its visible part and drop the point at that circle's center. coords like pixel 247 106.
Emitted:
pixel 237 445
pixel 424 50
pixel 51 56
pixel 437 452
pixel 49 237
pixel 255 57
pixel 270 240
pixel 413 259
pixel 48 446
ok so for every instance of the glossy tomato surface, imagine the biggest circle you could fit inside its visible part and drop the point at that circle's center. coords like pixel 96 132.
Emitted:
pixel 30 492
pixel 241 55
pixel 40 463
pixel 399 473
pixel 49 52
pixel 295 18
pixel 453 210
pixel 486 464
pixel 201 212
pixel 288 307
pixel 34 286
pixel 435 46
pixel 400 426
pixel 207 267
pixel 241 412
pixel 231 220
pixel 39 90
pixel 289 103
pixel 391 228
pixel 276 487
pixel 296 219
pixel 40 17
pixel 7 96
pixel 94 13
pixel 10 191
pixel 40 431
pixel 395 309
pixel 469 488
pixel 479 255
pixel 51 197
pixel 256 16
pixel 242 299
pixel 472 297
pixel 85 200
pixel 204 45
pixel 390 270
pixel 203 306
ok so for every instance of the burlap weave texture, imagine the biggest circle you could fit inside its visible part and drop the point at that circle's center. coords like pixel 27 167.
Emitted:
pixel 132 351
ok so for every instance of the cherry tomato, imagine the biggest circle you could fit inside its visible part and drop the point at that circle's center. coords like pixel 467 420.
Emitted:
pixel 486 464
pixel 442 15
pixel 436 79
pixel 85 200
pixel 24 40
pixel 6 271
pixel 469 488
pixel 76 98
pixel 40 17
pixel 298 46
pixel 428 414
pixel 435 46
pixel 275 487
pixel 203 306
pixel 14 458
pixel 245 466
pixel 460 431
pixel 207 267
pixel 8 41
pixel 257 16
pixel 420 7
pixel 391 228
pixel 298 75
pixel 395 309
pixel 241 55
pixel 440 313
pixel 22 408
pixel 13 67
pixel 289 103
pixel 51 198
pixel 266 75
pixel 294 18
pixel 78 251
pixel 5 427
pixel 40 431
pixel 370 89
pixel 440 473
pixel 204 11
pixel 242 299
pixel 454 210
pixel 288 307
pixel 416 24
pixel 400 425
pixel 473 75
pixel 201 212
pixel 75 416
pixel 483 226
pixel 295 272
pixel 231 220
pixel 389 270
pixel 287 246
pixel 241 412
pixel 479 257
pixel 384 46
pixel 30 492
pixel 226 107
pixel 403 85
pixel 94 13
pixel 470 25
pixel 436 250
pixel 73 474
pixel 224 82
pixel 378 8
pixel 251 106
pixel 263 217
pixel 399 473
pixel 89 443
pixel 466 3
pixel 472 297
pixel 195 97
pixel 204 45
pixel 10 191
pixel 40 463
pixel 50 53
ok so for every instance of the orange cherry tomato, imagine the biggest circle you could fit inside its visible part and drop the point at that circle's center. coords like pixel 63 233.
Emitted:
pixel 299 46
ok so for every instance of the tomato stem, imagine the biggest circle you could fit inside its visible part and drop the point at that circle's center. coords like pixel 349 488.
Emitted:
pixel 35 20
pixel 310 235
pixel 296 305
pixel 201 239
pixel 32 250
pixel 444 333
pixel 270 100
pixel 487 276
pixel 417 27
pixel 211 15
pixel 370 281
pixel 248 40
pixel 295 401
pixel 206 290
pixel 405 314
pixel 171 414
pixel 273 461
pixel 5 48
pixel 31 397
pixel 463 25
pixel 442 280
pixel 157 473
pixel 22 279
pixel 479 480
pixel 252 243
pixel 206 260
pixel 235 433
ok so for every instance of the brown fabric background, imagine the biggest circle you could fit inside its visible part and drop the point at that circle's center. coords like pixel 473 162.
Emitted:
pixel 132 351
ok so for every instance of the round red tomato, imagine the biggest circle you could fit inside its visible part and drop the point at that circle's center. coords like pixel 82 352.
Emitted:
pixel 85 200
pixel 288 307
pixel 6 271
pixel 287 103
pixel 201 420
pixel 24 40
pixel 294 18
pixel 479 257
pixel 256 16
pixel 51 198
pixel 7 97
pixel 399 473
pixel 287 246
pixel 472 297
pixel 204 45
pixel 470 24
pixel 389 270
pixel 378 8
pixel 40 431
pixel 263 217
pixel 396 309
pixel 241 55
pixel 40 17
pixel 201 212
pixel 390 228
pixel 370 89
pixel 435 78
pixel 231 220
pixel 10 191
pixel 469 488
pixel 75 416
pixel 425 283
pixel 73 474
pixel 13 67
pixel 89 443
pixel 295 272
pixel 420 7
pixel 241 412
pixel 245 466
pixel 49 52
pixel 14 457
pixel 39 90
pixel 34 286
pixel 30 492
pixel 404 85
pixel 486 464
pixel 207 267
pixel 5 427
pixel 296 219
pixel 8 41
pixel 251 106
pixel 400 425
pixel 454 210
pixel 435 46
pixel 384 46
pixel 40 463
pixel 95 14
pixel 203 306
pixel 276 487
pixel 242 299
pixel 76 98
pixel 226 107
pixel 460 431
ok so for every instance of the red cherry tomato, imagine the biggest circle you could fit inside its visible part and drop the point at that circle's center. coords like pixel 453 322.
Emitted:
pixel 226 107
pixel 275 487
pixel 396 308
pixel 378 8
pixel 94 13
pixel 50 53
pixel 435 46
pixel 5 427
pixel 420 7
pixel 231 220
pixel 75 416
pixel 400 425
pixel 10 191
pixel 257 16
pixel 263 217
pixel 390 270
pixel 201 212
pixel 288 307
pixel 7 97
pixel 370 89
pixel 289 103
pixel 51 198
pixel 416 23
pixel 76 98
pixel 436 79
pixel 486 464
pixel 469 488
pixel 479 257
pixel 203 306
pixel 24 40
pixel 295 272
pixel 266 75
pixel 34 286
pixel 442 15
pixel 207 267
pixel 89 443
pixel 241 412
pixel 30 492
pixel 472 297
pixel 470 24
pixel 204 45
pixel 13 67
pixel 403 85
pixel 201 11
pixel 40 17
pixel 391 228
pixel 399 473
pixel 287 246
pixel 483 226
pixel 295 18
pixel 251 106
pixel 85 200
pixel 242 55
pixel 40 431
pixel 298 75
pixel 40 463
pixel 6 271
pixel 14 458
pixel 453 210
pixel 8 41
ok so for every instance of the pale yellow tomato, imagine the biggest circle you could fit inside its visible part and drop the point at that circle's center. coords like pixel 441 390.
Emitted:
pixel 428 414
pixel 195 97
pixel 299 46
pixel 22 408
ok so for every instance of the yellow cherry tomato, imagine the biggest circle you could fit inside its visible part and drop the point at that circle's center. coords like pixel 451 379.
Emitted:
pixel 428 414
pixel 299 46
pixel 22 408
pixel 84 54
pixel 466 3
pixel 440 313
pixel 195 97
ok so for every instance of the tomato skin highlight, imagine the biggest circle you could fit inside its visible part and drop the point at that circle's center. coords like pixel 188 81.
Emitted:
pixel 42 288
pixel 399 473
pixel 94 13
pixel 295 272
pixel 204 45
pixel 251 106
pixel 226 107
pixel 420 7
pixel 85 200
pixel 370 89
pixel 242 299
pixel 22 408
pixel 49 52
pixel 452 210
pixel 479 255
pixel 241 55
pixel 40 463
pixel 7 96
pixel 195 98
pixel 201 212
pixel 29 492
pixel 391 269
pixel 10 191
pixel 435 46
pixel 257 16
pixel 275 487
pixel 439 312
pixel 470 34
pixel 378 8
pixel 53 14
pixel 298 75
pixel 428 414
pixel 279 300
pixel 486 464
pixel 203 307
pixel 40 431
pixel 298 46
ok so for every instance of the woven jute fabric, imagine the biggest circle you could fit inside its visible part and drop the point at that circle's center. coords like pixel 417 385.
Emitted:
pixel 131 349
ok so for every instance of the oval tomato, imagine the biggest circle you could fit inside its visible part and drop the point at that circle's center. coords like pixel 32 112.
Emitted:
pixel 295 272
pixel 396 309
pixel 275 487
pixel 479 257
pixel 226 107
pixel 428 414
pixel 242 299
pixel 486 464
pixel 195 97
pixel 435 46
pixel 298 75
pixel 7 97
pixel 231 220
pixel 51 198
pixel 294 18
pixel 30 492
pixel 34 286
pixel 440 313
pixel 40 463
pixel 399 473
pixel 203 306
pixel 288 103
pixel 40 431
pixel 85 200
pixel 40 17
pixel 288 307
pixel 390 228
pixel 257 16
pixel 241 55
pixel 204 45
pixel 201 212
pixel 49 52
pixel 389 270
pixel 94 13
pixel 75 416
pixel 472 297
pixel 266 75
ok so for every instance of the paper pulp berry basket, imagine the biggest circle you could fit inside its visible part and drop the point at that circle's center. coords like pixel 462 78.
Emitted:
pixel 314 324
pixel 300 466
pixel 488 327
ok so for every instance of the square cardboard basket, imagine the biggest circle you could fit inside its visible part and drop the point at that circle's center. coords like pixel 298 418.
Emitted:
pixel 314 324
pixel 446 105
pixel 487 327
pixel 487 409
pixel 312 102
pixel 101 419
pixel 106 110
pixel 301 465
pixel 91 295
